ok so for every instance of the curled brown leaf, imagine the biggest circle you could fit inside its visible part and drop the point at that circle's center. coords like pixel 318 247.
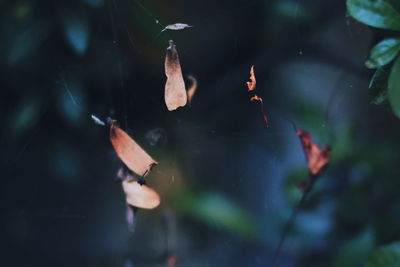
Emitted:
pixel 175 92
pixel 252 84
pixel 193 88
pixel 130 152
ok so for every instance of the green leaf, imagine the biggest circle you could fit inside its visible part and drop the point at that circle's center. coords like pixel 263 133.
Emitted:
pixel 217 211
pixel 378 87
pixel 394 87
pixel 385 256
pixel 356 250
pixel 377 13
pixel 383 53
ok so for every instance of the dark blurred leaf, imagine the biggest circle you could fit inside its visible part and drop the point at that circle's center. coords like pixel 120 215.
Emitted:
pixel 385 256
pixel 377 89
pixel 23 41
pixel 383 53
pixel 76 30
pixel 217 211
pixel 356 250
pixel 394 87
pixel 25 116
pixel 378 13
pixel 292 9
pixel 94 3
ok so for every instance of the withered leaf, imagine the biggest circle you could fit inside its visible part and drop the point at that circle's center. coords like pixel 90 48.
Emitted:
pixel 176 26
pixel 252 84
pixel 260 100
pixel 175 92
pixel 317 158
pixel 256 98
pixel 140 196
pixel 130 152
pixel 192 90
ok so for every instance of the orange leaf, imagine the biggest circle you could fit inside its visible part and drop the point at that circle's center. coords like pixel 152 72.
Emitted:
pixel 130 153
pixel 256 98
pixel 175 92
pixel 251 85
pixel 192 90
pixel 317 158
pixel 140 196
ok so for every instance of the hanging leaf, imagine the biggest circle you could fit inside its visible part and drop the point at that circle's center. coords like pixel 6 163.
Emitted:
pixel 317 158
pixel 394 87
pixel 384 52
pixel 193 88
pixel 378 86
pixel 131 154
pixel 385 256
pixel 176 26
pixel 175 92
pixel 264 117
pixel 140 196
pixel 375 13
pixel 251 85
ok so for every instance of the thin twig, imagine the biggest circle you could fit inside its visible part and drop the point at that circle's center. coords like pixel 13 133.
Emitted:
pixel 292 218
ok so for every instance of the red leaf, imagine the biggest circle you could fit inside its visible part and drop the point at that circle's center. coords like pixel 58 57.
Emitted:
pixel 259 99
pixel 317 158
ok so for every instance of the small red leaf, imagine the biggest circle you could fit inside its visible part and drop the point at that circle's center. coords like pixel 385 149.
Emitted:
pixel 260 100
pixel 317 158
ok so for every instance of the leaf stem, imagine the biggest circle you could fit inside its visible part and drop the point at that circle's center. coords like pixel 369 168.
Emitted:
pixel 292 218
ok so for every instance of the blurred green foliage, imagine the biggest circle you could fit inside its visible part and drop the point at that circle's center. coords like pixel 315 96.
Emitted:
pixel 388 255
pixel 381 14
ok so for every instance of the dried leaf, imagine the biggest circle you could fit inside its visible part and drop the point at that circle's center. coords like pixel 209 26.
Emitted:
pixel 175 92
pixel 317 158
pixel 140 196
pixel 256 98
pixel 131 154
pixel 192 90
pixel 251 85
pixel 264 117
pixel 176 26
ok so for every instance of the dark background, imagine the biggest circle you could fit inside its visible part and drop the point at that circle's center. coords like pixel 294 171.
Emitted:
pixel 227 184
